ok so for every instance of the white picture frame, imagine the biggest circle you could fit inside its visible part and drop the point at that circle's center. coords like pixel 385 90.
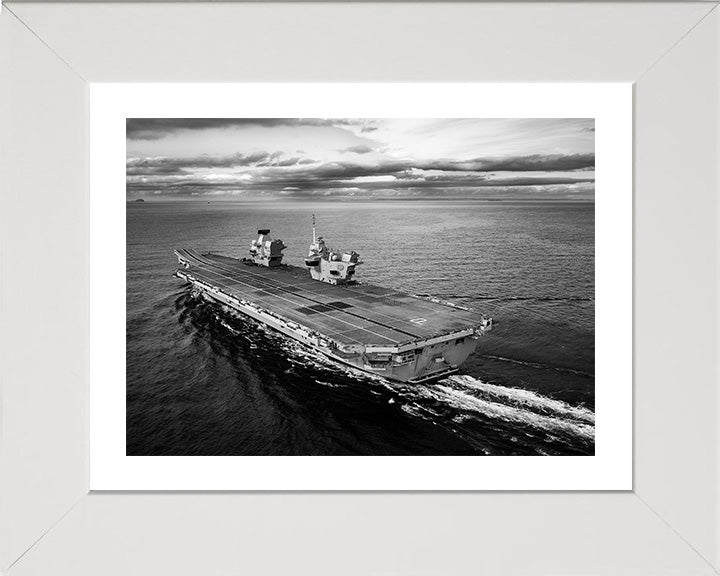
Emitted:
pixel 609 468
pixel 50 523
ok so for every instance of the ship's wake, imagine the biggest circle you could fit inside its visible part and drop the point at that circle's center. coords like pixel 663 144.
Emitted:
pixel 506 298
pixel 461 400
pixel 512 405
pixel 492 418
pixel 527 399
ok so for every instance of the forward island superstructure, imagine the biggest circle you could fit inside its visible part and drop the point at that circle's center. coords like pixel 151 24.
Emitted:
pixel 378 330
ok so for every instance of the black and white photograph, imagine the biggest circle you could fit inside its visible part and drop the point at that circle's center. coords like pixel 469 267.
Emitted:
pixel 281 278
pixel 360 286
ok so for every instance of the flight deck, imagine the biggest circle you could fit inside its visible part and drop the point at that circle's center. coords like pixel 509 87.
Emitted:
pixel 349 313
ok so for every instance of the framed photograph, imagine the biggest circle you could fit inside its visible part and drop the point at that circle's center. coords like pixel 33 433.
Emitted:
pixel 300 352
pixel 465 287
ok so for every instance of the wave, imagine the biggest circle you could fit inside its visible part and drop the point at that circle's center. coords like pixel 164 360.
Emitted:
pixel 499 298
pixel 526 397
pixel 533 298
pixel 464 400
pixel 227 326
pixel 538 365
pixel 327 384
pixel 412 410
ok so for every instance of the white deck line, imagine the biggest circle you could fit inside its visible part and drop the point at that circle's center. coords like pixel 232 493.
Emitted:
pixel 267 282
pixel 355 306
pixel 303 304
pixel 359 308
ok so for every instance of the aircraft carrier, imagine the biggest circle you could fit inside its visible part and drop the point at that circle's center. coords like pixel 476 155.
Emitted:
pixel 378 330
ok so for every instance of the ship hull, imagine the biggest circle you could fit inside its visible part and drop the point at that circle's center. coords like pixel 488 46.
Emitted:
pixel 410 372
pixel 366 337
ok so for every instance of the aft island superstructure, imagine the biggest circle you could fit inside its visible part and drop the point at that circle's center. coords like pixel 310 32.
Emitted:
pixel 378 330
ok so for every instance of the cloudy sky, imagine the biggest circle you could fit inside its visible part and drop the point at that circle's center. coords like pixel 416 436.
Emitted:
pixel 225 159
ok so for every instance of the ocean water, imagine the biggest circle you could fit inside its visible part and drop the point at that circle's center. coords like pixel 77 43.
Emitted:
pixel 202 380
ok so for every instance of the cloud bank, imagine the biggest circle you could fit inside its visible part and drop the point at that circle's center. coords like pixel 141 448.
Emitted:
pixel 359 158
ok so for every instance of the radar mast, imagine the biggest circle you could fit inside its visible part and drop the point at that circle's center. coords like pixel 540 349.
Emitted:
pixel 329 265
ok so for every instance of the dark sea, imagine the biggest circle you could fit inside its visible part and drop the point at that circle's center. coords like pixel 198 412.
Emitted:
pixel 203 380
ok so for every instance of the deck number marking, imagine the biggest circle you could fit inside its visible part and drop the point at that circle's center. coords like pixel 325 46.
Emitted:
pixel 418 320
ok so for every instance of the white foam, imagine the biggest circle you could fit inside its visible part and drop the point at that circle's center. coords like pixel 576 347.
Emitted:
pixel 228 327
pixel 458 393
pixel 527 398
pixel 328 384
pixel 465 401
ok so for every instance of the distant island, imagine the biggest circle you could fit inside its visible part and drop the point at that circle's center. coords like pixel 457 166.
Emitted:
pixel 139 200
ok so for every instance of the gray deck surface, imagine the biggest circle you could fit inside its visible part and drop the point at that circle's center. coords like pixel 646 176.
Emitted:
pixel 357 314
